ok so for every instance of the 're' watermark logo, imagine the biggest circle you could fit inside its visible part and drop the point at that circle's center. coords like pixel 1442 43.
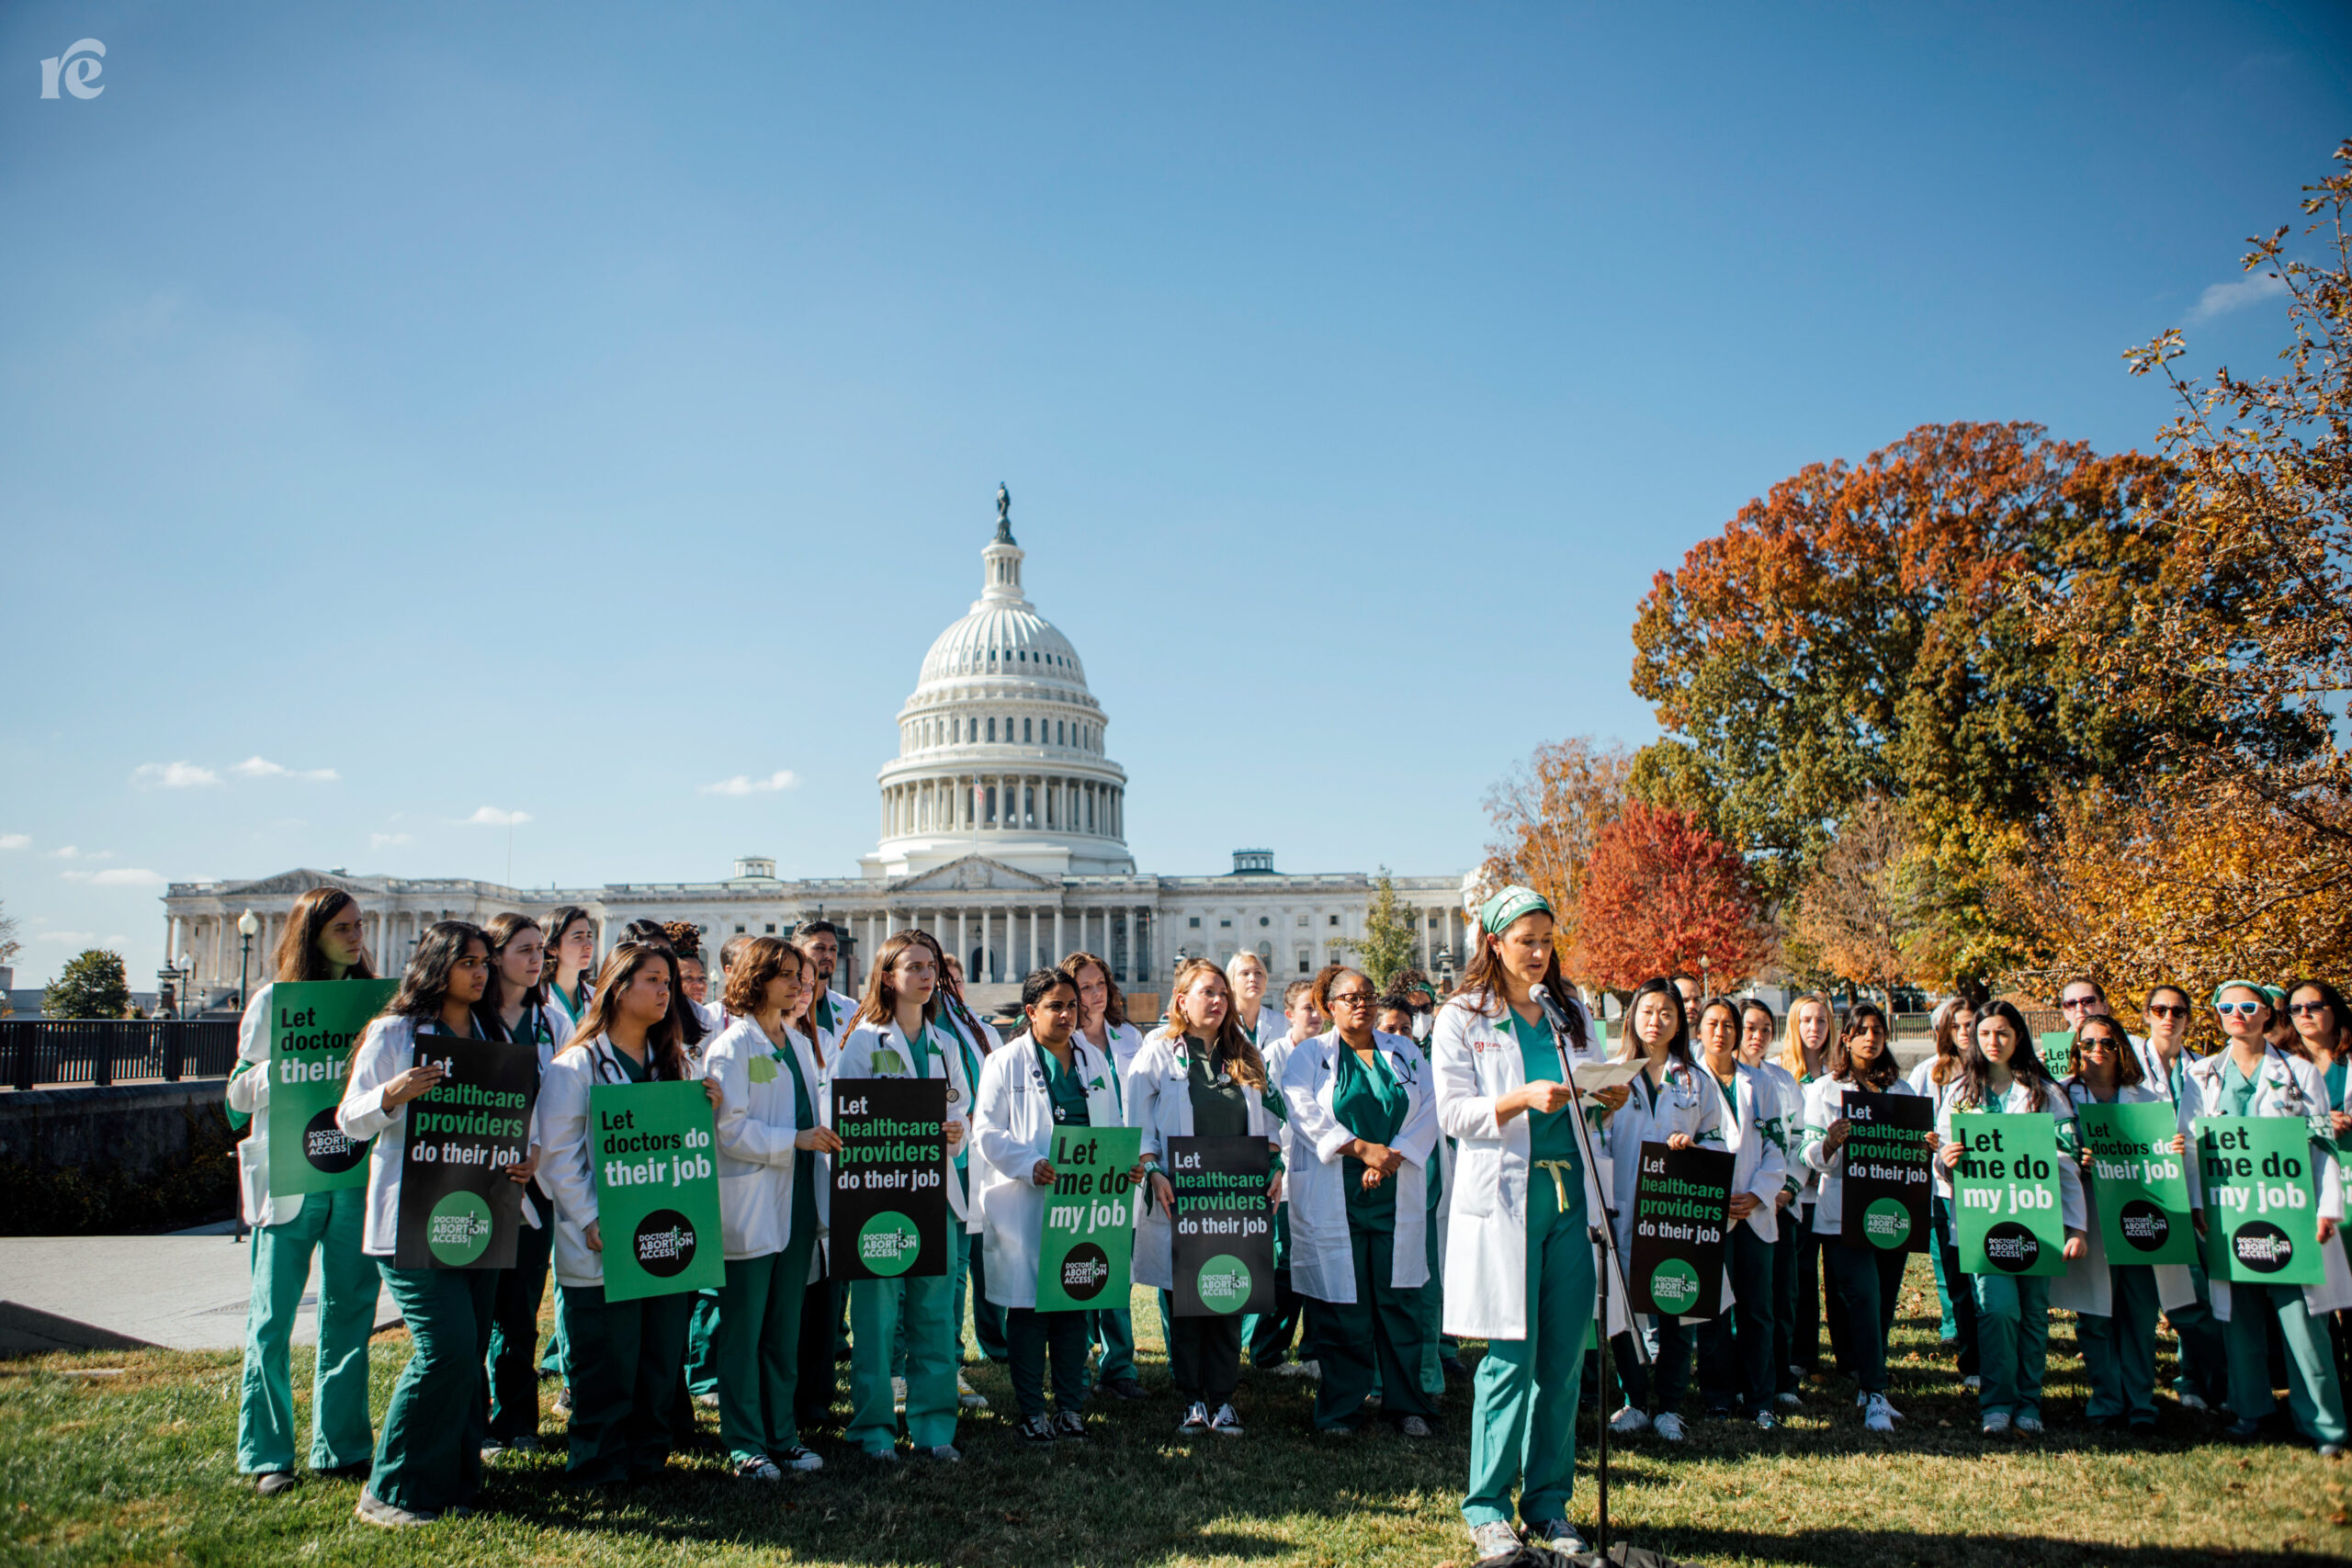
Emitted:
pixel 74 70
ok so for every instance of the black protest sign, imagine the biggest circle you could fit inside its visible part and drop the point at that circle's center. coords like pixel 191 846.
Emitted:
pixel 889 1218
pixel 459 1208
pixel 1888 1178
pixel 1681 1201
pixel 1225 1225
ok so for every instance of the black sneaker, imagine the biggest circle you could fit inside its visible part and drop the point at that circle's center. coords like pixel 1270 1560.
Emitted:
pixel 1037 1431
pixel 1195 1422
pixel 1126 1388
pixel 270 1482
pixel 1069 1424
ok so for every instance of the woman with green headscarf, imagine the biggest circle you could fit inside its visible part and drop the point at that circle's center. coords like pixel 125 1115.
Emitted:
pixel 1518 1271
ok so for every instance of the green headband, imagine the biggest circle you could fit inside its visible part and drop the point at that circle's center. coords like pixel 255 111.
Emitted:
pixel 1497 913
pixel 2269 993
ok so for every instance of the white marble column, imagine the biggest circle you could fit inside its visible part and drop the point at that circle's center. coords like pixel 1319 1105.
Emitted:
pixel 964 945
pixel 1058 948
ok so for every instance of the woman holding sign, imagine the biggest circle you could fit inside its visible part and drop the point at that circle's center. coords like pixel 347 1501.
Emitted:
pixel 1363 1128
pixel 516 1010
pixel 1864 1278
pixel 1736 1345
pixel 1103 1024
pixel 429 1458
pixel 2254 1079
pixel 626 1357
pixel 1046 1081
pixel 2114 1301
pixel 2003 1075
pixel 1199 1077
pixel 899 1035
pixel 1813 1025
pixel 1669 1105
pixel 1519 1263
pixel 771 1181
pixel 321 942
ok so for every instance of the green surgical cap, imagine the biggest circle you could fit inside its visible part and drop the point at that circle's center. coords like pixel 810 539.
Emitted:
pixel 1497 912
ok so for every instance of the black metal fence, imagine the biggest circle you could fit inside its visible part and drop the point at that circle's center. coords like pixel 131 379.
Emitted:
pixel 76 1053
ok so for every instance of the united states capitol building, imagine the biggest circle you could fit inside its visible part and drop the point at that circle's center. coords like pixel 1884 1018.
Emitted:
pixel 1002 830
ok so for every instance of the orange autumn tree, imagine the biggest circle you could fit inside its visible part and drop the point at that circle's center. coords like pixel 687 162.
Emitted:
pixel 1548 813
pixel 1661 894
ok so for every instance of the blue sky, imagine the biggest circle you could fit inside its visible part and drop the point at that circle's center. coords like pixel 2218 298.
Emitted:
pixel 563 410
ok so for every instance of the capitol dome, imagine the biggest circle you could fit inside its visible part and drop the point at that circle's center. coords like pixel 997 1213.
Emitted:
pixel 1000 748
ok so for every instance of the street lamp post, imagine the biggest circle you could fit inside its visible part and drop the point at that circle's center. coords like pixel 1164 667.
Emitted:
pixel 248 925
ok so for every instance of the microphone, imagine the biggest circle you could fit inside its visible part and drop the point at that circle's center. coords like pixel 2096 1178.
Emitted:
pixel 1553 1011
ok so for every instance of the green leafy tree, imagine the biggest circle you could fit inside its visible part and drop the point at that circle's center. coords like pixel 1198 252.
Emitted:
pixel 1385 949
pixel 92 985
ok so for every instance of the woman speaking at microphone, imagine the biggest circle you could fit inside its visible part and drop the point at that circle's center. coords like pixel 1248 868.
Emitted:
pixel 1519 1265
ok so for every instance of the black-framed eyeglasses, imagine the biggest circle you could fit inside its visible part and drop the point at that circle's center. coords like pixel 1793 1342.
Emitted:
pixel 1350 998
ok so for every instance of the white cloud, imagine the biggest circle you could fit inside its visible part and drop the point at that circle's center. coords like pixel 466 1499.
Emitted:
pixel 2220 299
pixel 378 841
pixel 116 877
pixel 175 776
pixel 15 840
pixel 69 852
pixel 66 937
pixel 743 784
pixel 492 816
pixel 262 768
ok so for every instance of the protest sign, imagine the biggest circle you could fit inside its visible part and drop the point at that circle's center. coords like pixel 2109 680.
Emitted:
pixel 1087 1247
pixel 458 1209
pixel 1681 1199
pixel 889 1209
pixel 313 1024
pixel 1225 1225
pixel 657 1189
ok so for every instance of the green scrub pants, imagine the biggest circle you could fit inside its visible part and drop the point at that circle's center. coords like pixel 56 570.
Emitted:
pixel 2119 1352
pixel 1377 1337
pixel 702 1336
pixel 1268 1335
pixel 1029 1335
pixel 1435 1344
pixel 430 1458
pixel 1114 1332
pixel 1523 1420
pixel 963 1262
pixel 331 1223
pixel 627 1359
pixel 879 1310
pixel 2012 1341
pixel 2204 1359
pixel 515 1335
pixel 1857 1275
pixel 757 1358
pixel 987 1318
pixel 2313 1396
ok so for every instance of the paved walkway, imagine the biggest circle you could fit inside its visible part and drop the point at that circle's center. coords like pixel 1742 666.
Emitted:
pixel 186 1292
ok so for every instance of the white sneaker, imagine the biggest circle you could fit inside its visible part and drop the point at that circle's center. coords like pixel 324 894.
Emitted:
pixel 899 1394
pixel 1995 1423
pixel 1196 1420
pixel 2031 1425
pixel 2191 1400
pixel 1298 1369
pixel 1789 1401
pixel 1878 1415
pixel 759 1467
pixel 1496 1540
pixel 800 1460
pixel 1669 1426
pixel 1629 1420
pixel 1227 1422
pixel 1764 1422
pixel 1560 1536
pixel 967 1397
pixel 1972 1383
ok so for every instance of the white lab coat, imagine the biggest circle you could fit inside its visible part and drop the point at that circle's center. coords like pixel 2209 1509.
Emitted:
pixel 1824 1100
pixel 1012 1129
pixel 1322 1255
pixel 1159 1101
pixel 855 1060
pixel 1476 1063
pixel 1123 1043
pixel 1788 1111
pixel 248 1092
pixel 1686 1102
pixel 567 1150
pixel 386 1051
pixel 2087 1287
pixel 2288 1087
pixel 757 1129
pixel 1752 1132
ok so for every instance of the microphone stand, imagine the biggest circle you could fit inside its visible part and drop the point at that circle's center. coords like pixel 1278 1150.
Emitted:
pixel 1608 1266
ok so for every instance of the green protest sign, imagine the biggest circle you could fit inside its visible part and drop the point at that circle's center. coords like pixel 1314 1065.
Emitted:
pixel 657 1189
pixel 1088 1242
pixel 313 1024
pixel 2139 1186
pixel 2005 1195
pixel 2057 1051
pixel 2261 1226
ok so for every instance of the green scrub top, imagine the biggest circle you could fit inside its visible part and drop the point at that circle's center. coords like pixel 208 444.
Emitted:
pixel 804 1161
pixel 638 1072
pixel 2236 1088
pixel 1064 1090
pixel 1550 1132
pixel 1220 1103
pixel 823 1011
pixel 1369 1102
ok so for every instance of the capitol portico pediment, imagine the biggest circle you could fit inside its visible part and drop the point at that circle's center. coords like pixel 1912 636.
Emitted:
pixel 974 874
pixel 303 881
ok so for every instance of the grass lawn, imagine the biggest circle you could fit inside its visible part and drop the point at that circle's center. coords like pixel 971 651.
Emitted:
pixel 137 1467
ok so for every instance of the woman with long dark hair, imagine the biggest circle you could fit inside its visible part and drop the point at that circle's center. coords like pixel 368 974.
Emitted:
pixel 1867 1279
pixel 429 1458
pixel 1758 1029
pixel 324 940
pixel 571 960
pixel 1362 1129
pixel 516 1010
pixel 2324 1038
pixel 2204 1382
pixel 1951 1027
pixel 1198 1077
pixel 899 1035
pixel 2003 1074
pixel 627 1358
pixel 1736 1345
pixel 1519 1263
pixel 1102 1025
pixel 1669 1105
